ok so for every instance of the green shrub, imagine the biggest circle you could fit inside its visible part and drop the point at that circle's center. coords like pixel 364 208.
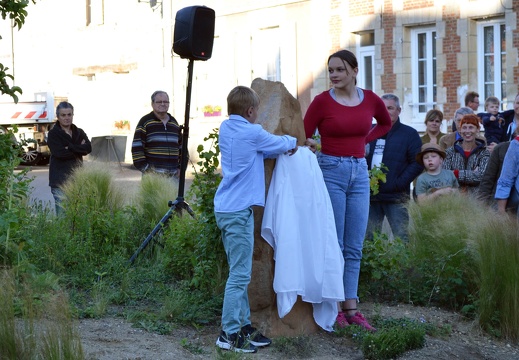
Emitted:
pixel 205 250
pixel 14 192
pixel 384 269
pixel 390 343
pixel 393 337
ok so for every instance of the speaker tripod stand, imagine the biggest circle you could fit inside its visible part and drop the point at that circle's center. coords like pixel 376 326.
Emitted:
pixel 179 204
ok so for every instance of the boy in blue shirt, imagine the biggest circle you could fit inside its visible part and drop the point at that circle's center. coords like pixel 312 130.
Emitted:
pixel 243 146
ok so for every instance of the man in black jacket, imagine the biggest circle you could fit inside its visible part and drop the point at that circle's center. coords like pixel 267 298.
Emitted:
pixel 68 144
pixel 397 151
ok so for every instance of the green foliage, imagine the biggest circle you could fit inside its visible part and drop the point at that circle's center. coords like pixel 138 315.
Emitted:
pixel 384 269
pixel 14 192
pixel 207 179
pixel 95 231
pixel 44 329
pixel 393 337
pixel 189 306
pixel 377 174
pixel 318 139
pixel 443 250
pixel 205 249
pixel 182 239
pixel 14 10
pixel 193 348
pixel 437 267
pixel 153 195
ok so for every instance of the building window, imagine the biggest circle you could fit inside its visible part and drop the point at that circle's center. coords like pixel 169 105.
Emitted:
pixel 423 68
pixel 492 60
pixel 268 61
pixel 95 12
pixel 366 56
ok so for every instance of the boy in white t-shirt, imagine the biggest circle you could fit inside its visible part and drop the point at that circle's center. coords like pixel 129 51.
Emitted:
pixel 435 181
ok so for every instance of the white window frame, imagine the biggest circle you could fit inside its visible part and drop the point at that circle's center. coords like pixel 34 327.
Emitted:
pixel 273 55
pixel 268 60
pixel 363 53
pixel 420 108
pixel 497 80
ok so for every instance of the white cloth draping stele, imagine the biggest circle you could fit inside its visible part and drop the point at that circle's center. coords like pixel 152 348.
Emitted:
pixel 298 223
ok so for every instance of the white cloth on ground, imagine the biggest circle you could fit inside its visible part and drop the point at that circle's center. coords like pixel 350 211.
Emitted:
pixel 298 223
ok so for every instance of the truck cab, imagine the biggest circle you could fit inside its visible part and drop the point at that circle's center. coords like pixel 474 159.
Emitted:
pixel 33 120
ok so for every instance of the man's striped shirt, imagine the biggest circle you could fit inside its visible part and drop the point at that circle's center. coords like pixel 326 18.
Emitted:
pixel 157 146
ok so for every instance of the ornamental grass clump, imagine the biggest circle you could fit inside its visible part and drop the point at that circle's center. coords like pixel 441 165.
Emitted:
pixel 153 195
pixel 499 265
pixel 443 251
pixel 97 228
pixel 465 257
pixel 92 188
pixel 35 321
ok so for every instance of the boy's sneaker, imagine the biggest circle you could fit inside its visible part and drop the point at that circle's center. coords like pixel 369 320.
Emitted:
pixel 341 320
pixel 235 342
pixel 358 319
pixel 254 336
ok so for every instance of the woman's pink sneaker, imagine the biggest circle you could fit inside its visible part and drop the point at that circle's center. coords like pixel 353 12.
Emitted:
pixel 341 320
pixel 358 319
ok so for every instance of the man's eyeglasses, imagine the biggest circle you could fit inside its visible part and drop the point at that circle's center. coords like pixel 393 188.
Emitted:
pixel 162 102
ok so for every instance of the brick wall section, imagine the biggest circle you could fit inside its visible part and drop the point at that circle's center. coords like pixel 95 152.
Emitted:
pixel 388 54
pixel 335 32
pixel 335 26
pixel 417 4
pixel 451 49
pixel 515 44
pixel 361 7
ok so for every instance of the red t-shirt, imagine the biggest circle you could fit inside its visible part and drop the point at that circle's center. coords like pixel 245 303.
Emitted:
pixel 345 130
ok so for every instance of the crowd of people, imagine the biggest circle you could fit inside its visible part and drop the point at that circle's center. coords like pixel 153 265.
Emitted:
pixel 485 166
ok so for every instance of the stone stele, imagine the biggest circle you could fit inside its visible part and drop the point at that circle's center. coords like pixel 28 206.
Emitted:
pixel 280 114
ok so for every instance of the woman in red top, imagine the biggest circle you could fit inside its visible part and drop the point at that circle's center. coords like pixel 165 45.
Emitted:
pixel 343 117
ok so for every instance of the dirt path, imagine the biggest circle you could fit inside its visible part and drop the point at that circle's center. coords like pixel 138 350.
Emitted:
pixel 114 338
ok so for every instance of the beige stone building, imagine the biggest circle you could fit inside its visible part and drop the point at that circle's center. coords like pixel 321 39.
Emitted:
pixel 108 56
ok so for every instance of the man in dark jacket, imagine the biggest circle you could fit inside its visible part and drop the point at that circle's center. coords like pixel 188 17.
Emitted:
pixel 397 151
pixel 68 144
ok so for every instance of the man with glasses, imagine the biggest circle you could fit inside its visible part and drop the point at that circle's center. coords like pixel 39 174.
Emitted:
pixel 157 140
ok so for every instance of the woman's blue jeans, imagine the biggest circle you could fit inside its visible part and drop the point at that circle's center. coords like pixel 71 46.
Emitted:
pixel 238 240
pixel 347 182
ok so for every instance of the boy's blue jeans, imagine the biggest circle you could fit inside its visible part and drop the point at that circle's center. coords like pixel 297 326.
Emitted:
pixel 347 181
pixel 238 241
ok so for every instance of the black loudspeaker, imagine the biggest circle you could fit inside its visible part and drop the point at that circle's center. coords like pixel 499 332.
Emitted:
pixel 194 32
